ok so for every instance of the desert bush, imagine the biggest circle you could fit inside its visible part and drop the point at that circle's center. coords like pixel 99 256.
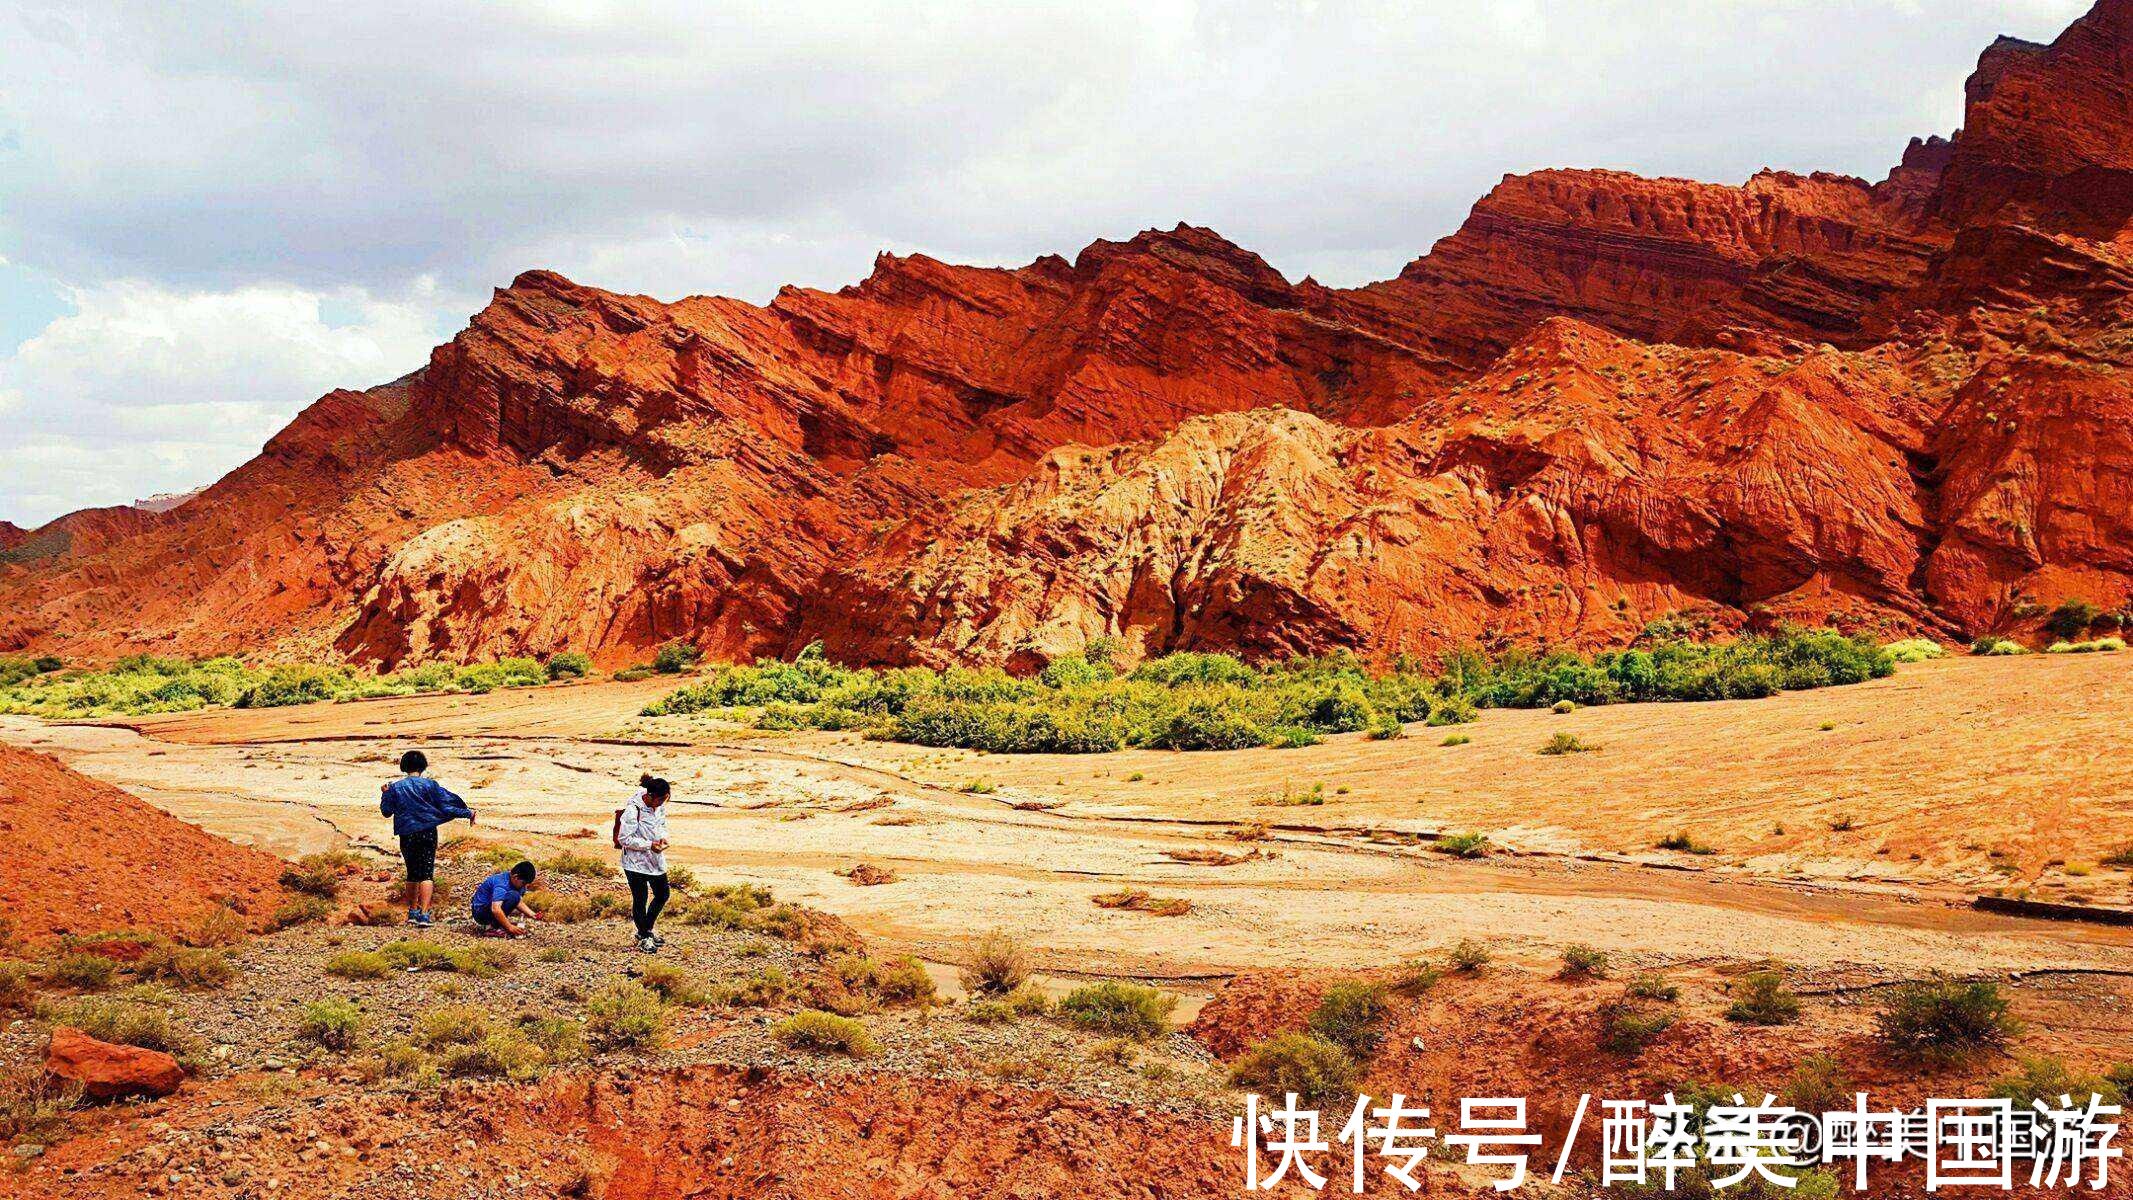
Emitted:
pixel 570 862
pixel 1462 845
pixel 1415 978
pixel 1685 842
pixel 192 968
pixel 1627 1027
pixel 301 910
pixel 1655 987
pixel 18 988
pixel 1121 1009
pixel 1761 998
pixel 570 664
pixel 450 1025
pixel 988 1012
pixel 1468 956
pixel 1583 962
pixel 633 674
pixel 2047 1079
pixel 215 926
pixel 681 877
pixel 2071 619
pixel 1943 1021
pixel 1455 739
pixel 1386 727
pixel 998 964
pixel 1911 650
pixel 905 981
pixel 676 657
pixel 1319 1072
pixel 358 964
pixel 497 1054
pixel 1351 1015
pixel 625 1015
pixel 34 1107
pixel 313 875
pixel 83 970
pixel 813 1029
pixel 127 1021
pixel 1818 1084
pixel 1566 743
pixel 674 984
pixel 336 1025
pixel 559 908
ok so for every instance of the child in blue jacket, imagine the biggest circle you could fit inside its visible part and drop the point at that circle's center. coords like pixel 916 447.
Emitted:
pixel 418 805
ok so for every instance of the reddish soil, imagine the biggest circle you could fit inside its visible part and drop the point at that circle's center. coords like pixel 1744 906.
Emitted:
pixel 1604 400
pixel 85 857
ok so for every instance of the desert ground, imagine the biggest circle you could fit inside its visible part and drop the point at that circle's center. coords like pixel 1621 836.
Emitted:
pixel 1843 831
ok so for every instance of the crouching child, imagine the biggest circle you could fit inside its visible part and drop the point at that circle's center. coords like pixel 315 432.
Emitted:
pixel 500 902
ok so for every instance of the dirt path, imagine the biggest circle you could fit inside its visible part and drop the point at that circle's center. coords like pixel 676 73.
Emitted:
pixel 1333 887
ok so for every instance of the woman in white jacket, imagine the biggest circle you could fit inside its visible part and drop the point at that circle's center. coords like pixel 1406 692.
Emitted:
pixel 641 832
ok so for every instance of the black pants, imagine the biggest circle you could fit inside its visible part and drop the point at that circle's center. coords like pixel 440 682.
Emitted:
pixel 419 852
pixel 646 913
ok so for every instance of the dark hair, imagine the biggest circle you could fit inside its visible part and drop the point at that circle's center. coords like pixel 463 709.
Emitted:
pixel 645 781
pixel 523 872
pixel 414 762
pixel 657 787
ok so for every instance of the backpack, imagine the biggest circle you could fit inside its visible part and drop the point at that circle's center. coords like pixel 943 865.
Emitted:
pixel 618 827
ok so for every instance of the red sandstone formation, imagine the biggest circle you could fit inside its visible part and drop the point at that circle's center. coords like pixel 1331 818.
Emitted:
pixel 1604 400
pixel 84 857
pixel 104 1071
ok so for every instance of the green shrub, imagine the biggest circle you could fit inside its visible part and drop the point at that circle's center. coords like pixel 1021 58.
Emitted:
pixel 18 987
pixel 1911 650
pixel 998 965
pixel 215 926
pixel 1120 1009
pixel 570 862
pixel 1818 1084
pixel 88 972
pixel 1942 1021
pixel 674 984
pixel 813 1029
pixel 2047 1079
pixel 1761 998
pixel 497 1054
pixel 1350 1015
pixel 1627 1027
pixel 676 657
pixel 1455 739
pixel 1566 743
pixel 625 1015
pixel 570 664
pixel 1319 1072
pixel 1583 962
pixel 336 1025
pixel 314 875
pixel 1654 987
pixel 1462 845
pixel 358 964
pixel 301 910
pixel 188 967
pixel 1684 841
pixel 127 1021
pixel 2071 619
pixel 1468 956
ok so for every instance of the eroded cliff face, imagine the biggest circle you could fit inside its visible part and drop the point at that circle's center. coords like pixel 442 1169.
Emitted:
pixel 1604 400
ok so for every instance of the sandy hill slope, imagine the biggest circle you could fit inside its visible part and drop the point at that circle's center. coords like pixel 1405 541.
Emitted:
pixel 85 857
pixel 1604 400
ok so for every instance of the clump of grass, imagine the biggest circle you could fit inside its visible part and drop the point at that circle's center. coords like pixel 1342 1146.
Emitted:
pixel 1685 842
pixel 1583 962
pixel 216 926
pixel 1462 845
pixel 2045 1078
pixel 560 908
pixel 127 1020
pixel 1119 1009
pixel 191 968
pixel 570 664
pixel 570 862
pixel 1287 797
pixel 1319 1072
pixel 333 1024
pixel 1843 823
pixel 1351 1015
pixel 422 954
pixel 18 989
pixel 1415 978
pixel 813 1029
pixel 1912 650
pixel 301 910
pixel 1563 708
pixel 358 964
pixel 674 984
pixel 1627 1027
pixel 1566 743
pixel 1386 727
pixel 82 970
pixel 1467 956
pixel 34 1107
pixel 625 1015
pixel 2119 858
pixel 998 965
pixel 1455 739
pixel 1942 1021
pixel 1654 987
pixel 1818 1083
pixel 1761 998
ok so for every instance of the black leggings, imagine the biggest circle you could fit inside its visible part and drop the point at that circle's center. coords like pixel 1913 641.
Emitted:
pixel 646 915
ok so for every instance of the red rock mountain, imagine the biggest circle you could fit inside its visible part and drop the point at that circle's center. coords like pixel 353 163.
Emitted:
pixel 1603 401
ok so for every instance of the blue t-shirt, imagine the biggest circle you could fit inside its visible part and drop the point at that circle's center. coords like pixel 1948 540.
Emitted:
pixel 499 888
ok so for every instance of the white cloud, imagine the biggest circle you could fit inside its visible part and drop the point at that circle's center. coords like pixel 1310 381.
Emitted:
pixel 142 389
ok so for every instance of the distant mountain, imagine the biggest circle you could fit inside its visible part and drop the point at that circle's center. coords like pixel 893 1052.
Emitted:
pixel 1604 401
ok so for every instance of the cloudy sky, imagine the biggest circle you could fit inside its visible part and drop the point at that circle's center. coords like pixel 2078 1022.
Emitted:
pixel 212 213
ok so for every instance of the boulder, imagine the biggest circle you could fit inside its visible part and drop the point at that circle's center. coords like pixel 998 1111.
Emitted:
pixel 105 1071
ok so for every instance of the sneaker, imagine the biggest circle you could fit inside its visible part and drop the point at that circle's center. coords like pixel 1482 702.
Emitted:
pixel 648 945
pixel 414 916
pixel 659 941
pixel 422 918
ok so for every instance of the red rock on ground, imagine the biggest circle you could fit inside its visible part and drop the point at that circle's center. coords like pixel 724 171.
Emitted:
pixel 105 1071
pixel 84 857
pixel 1604 401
